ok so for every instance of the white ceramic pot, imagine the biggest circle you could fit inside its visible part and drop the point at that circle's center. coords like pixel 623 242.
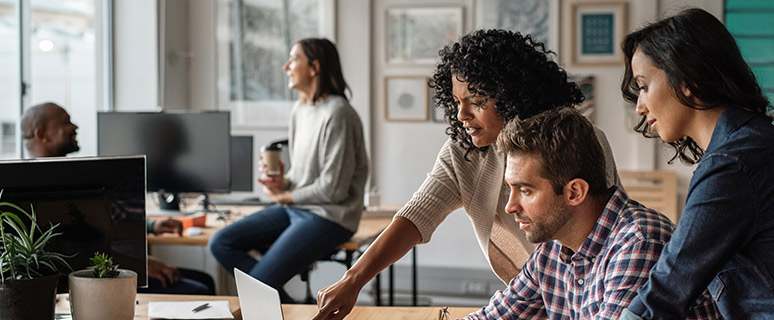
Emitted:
pixel 102 298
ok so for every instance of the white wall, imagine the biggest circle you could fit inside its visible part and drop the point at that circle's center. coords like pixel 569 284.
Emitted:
pixel 174 53
pixel 353 39
pixel 201 54
pixel 135 55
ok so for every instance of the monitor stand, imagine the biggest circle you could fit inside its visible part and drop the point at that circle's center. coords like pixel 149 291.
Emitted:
pixel 168 200
pixel 169 205
pixel 209 207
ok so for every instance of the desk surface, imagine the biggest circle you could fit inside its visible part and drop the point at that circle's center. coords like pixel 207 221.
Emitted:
pixel 301 311
pixel 368 230
pixel 290 311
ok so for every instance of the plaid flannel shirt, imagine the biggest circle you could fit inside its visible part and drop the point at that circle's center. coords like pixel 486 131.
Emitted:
pixel 599 280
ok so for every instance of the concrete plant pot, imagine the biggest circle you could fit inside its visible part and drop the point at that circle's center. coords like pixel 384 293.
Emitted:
pixel 102 298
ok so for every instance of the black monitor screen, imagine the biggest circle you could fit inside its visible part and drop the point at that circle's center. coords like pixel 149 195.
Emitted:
pixel 186 151
pixel 99 204
pixel 242 163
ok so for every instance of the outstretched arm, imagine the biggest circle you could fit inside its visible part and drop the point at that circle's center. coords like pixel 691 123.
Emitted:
pixel 338 299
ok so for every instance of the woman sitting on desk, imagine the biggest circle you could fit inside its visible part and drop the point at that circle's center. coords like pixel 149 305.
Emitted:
pixel 320 200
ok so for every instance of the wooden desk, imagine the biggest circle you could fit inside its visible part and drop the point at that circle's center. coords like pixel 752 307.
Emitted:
pixel 371 225
pixel 368 230
pixel 290 312
pixel 141 310
pixel 305 311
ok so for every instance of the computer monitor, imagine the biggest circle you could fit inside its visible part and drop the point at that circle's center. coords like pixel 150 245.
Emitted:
pixel 242 163
pixel 186 151
pixel 98 202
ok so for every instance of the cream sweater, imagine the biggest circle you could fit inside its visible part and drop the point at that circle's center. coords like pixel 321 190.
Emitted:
pixel 328 161
pixel 478 186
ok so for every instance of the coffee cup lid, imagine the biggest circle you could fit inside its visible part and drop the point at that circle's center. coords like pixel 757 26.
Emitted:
pixel 272 147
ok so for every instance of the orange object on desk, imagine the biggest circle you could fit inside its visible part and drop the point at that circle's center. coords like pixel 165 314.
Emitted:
pixel 196 220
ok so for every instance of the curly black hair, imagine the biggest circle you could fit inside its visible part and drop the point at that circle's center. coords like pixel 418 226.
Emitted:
pixel 507 66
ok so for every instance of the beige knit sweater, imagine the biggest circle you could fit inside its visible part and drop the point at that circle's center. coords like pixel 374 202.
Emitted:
pixel 478 186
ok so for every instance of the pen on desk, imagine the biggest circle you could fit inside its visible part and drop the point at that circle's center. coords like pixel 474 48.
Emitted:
pixel 201 307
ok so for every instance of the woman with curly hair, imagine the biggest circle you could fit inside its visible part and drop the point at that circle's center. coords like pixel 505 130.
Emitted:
pixel 482 81
pixel 697 93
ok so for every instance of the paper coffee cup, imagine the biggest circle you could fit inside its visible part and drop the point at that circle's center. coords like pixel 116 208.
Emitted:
pixel 272 156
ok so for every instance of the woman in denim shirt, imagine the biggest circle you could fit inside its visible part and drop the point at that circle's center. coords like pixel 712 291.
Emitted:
pixel 694 91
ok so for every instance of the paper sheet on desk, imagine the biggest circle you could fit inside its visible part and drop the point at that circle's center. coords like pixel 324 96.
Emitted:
pixel 182 310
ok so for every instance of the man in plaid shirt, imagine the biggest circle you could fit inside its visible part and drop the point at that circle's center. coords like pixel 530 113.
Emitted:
pixel 596 245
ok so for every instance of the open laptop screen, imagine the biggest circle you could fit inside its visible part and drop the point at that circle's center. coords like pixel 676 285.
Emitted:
pixel 257 300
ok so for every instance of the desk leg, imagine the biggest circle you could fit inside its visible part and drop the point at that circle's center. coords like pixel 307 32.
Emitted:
pixel 414 276
pixel 392 285
pixel 378 289
pixel 348 259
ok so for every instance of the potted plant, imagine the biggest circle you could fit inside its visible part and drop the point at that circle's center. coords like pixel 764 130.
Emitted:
pixel 102 291
pixel 29 273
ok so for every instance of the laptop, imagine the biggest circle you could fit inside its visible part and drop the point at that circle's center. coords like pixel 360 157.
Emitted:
pixel 258 301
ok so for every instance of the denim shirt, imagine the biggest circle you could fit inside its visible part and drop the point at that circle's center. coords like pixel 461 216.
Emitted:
pixel 725 238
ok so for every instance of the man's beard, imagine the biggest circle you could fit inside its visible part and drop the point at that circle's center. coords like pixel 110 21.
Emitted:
pixel 556 216
pixel 69 148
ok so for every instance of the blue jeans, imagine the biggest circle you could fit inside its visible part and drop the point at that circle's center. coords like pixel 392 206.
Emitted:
pixel 290 239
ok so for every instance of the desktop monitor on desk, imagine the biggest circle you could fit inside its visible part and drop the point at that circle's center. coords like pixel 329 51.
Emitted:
pixel 99 204
pixel 186 151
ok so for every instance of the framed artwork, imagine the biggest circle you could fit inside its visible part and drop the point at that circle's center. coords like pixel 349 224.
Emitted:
pixel 586 86
pixel 415 34
pixel 538 18
pixel 597 31
pixel 405 98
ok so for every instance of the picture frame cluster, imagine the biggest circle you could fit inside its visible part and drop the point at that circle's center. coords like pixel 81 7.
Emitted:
pixel 413 36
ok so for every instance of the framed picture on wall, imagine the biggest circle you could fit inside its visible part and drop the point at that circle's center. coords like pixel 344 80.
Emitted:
pixel 597 31
pixel 405 98
pixel 415 34
pixel 538 18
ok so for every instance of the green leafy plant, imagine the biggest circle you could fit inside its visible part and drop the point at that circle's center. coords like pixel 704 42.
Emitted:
pixel 23 254
pixel 103 266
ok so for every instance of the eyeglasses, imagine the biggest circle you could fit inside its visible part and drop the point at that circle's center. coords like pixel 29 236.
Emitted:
pixel 443 314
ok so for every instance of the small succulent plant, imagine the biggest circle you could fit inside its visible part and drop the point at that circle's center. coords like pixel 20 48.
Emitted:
pixel 103 266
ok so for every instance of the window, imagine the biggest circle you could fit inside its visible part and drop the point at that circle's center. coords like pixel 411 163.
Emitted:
pixel 750 23
pixel 60 62
pixel 10 98
pixel 260 35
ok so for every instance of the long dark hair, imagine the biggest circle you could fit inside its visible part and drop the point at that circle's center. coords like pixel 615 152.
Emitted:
pixel 330 79
pixel 507 66
pixel 697 52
